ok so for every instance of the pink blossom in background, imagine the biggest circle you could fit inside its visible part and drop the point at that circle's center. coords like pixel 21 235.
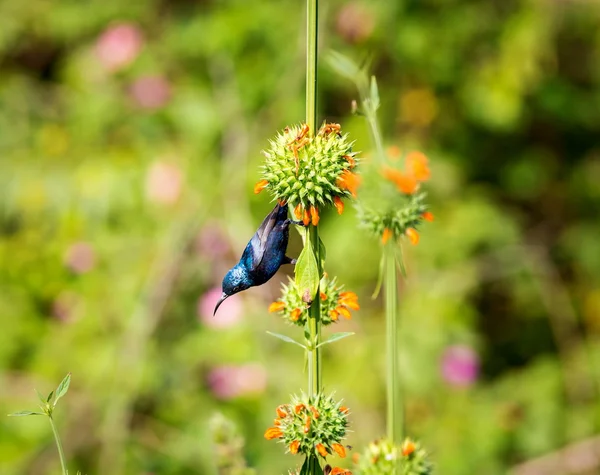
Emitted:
pixel 163 183
pixel 119 45
pixel 230 311
pixel 151 92
pixel 80 258
pixel 354 23
pixel 229 382
pixel 212 241
pixel 63 306
pixel 460 365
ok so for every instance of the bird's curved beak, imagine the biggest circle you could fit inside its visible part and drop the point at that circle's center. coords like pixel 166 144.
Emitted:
pixel 221 300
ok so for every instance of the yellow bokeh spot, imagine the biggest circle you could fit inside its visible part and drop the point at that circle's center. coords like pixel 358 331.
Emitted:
pixel 418 107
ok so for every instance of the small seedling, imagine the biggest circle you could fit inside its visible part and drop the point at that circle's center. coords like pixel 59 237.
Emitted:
pixel 47 406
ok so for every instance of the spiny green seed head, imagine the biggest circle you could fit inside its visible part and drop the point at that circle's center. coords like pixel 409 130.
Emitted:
pixel 305 169
pixel 391 204
pixel 311 425
pixel 382 457
pixel 334 302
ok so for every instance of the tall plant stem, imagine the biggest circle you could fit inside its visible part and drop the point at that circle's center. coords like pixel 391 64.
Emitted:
pixel 314 323
pixel 394 395
pixel 61 454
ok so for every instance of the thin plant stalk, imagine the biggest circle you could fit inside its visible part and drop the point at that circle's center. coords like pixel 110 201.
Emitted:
pixel 314 324
pixel 394 395
pixel 61 453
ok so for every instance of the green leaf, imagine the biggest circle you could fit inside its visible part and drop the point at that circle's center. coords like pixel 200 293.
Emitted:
pixel 343 65
pixel 335 337
pixel 49 398
pixel 307 271
pixel 25 413
pixel 42 398
pixel 287 339
pixel 63 387
pixel 374 93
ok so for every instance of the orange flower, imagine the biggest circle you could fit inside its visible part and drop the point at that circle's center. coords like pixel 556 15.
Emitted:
pixel 348 181
pixel 298 211
pixel 413 236
pixel 347 295
pixel 416 165
pixel 340 471
pixel 306 217
pixel 339 204
pixel 307 425
pixel 355 458
pixel 323 296
pixel 277 422
pixel 428 216
pixel 387 234
pixel 350 160
pixel 344 410
pixel 260 186
pixel 408 447
pixel 339 449
pixel 273 433
pixel 299 408
pixel 406 183
pixel 281 411
pixel 344 312
pixel 321 449
pixel 276 307
pixel 333 314
pixel 353 304
pixel 296 314
pixel 394 152
pixel 315 215
pixel 314 411
pixel 294 446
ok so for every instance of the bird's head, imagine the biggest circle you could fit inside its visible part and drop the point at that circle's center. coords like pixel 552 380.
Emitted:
pixel 235 281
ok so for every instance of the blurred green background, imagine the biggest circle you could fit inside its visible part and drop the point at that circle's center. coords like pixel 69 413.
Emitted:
pixel 130 138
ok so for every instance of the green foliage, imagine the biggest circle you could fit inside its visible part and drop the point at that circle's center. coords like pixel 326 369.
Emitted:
pixel 119 214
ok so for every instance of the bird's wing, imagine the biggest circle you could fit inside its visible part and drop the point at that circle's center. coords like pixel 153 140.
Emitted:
pixel 258 243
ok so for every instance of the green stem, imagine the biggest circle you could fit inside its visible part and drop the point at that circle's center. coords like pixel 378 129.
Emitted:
pixel 394 396
pixel 61 454
pixel 314 324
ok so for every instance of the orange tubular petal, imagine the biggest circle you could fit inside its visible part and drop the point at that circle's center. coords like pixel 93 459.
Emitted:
pixel 276 307
pixel 428 216
pixel 299 408
pixel 323 296
pixel 347 295
pixel 413 236
pixel 406 183
pixel 298 211
pixel 387 234
pixel 315 215
pixel 408 447
pixel 307 425
pixel 296 314
pixel 344 312
pixel 416 165
pixel 339 204
pixel 273 433
pixel 353 304
pixel 350 160
pixel 321 449
pixel 339 449
pixel 277 422
pixel 281 411
pixel 344 410
pixel 333 314
pixel 314 411
pixel 306 218
pixel 340 471
pixel 260 186
pixel 294 446
pixel 349 181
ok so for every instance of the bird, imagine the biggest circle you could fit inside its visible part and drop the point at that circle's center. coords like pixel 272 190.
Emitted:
pixel 263 256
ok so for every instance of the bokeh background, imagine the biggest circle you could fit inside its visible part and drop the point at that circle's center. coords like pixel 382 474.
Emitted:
pixel 130 138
